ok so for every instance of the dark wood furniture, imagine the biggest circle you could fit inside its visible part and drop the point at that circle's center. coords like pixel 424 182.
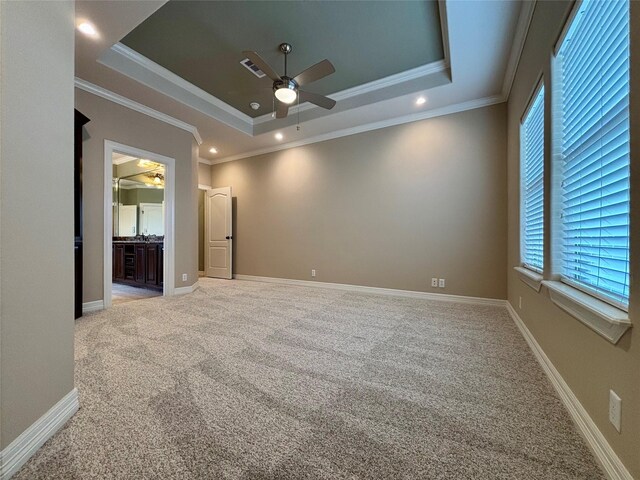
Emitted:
pixel 79 121
pixel 138 263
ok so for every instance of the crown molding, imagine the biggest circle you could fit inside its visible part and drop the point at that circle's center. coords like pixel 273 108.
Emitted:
pixel 140 68
pixel 124 159
pixel 205 161
pixel 138 107
pixel 444 29
pixel 522 29
pixel 413 117
pixel 174 86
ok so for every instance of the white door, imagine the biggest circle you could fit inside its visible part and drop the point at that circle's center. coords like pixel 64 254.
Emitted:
pixel 152 218
pixel 127 220
pixel 217 233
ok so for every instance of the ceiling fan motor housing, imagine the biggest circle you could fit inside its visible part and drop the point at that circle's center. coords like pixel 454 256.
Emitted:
pixel 286 82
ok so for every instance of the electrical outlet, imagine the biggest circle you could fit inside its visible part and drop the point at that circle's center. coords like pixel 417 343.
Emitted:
pixel 615 409
pixel 441 283
pixel 434 282
pixel 520 303
pixel 184 277
pixel 313 272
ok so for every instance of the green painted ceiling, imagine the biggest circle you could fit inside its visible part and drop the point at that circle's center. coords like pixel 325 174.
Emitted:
pixel 202 42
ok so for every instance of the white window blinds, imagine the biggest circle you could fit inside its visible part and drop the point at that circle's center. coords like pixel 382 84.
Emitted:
pixel 593 79
pixel 532 186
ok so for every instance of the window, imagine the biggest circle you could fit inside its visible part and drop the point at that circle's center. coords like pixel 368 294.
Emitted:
pixel 592 100
pixel 532 183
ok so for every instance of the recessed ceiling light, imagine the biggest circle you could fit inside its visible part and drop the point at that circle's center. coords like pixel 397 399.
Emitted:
pixel 88 29
pixel 279 136
pixel 213 150
pixel 420 100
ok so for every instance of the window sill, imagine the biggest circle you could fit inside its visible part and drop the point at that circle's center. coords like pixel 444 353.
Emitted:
pixel 531 278
pixel 606 320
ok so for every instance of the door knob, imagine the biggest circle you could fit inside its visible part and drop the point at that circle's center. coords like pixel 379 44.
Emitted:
pixel 229 237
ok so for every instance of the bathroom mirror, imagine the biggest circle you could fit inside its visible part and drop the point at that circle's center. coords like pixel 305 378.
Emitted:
pixel 138 200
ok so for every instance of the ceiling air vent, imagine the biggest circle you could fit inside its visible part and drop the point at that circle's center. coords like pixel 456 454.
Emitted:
pixel 249 65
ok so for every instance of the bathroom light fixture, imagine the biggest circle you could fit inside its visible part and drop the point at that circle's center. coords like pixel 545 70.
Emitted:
pixel 156 178
pixel 88 29
pixel 279 136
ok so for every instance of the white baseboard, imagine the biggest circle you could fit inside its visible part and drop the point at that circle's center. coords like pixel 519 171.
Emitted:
pixel 376 290
pixel 184 290
pixel 611 464
pixel 29 441
pixel 92 306
pixel 200 273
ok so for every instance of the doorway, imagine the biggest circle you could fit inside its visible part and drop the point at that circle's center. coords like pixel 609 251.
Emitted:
pixel 139 232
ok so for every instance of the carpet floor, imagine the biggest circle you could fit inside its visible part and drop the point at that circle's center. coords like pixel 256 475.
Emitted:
pixel 247 380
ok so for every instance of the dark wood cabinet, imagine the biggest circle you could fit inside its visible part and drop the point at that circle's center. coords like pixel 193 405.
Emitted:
pixel 138 263
pixel 141 263
pixel 118 262
pixel 151 254
pixel 160 264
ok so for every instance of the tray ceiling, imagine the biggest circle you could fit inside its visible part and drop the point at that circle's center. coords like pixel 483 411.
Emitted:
pixel 366 41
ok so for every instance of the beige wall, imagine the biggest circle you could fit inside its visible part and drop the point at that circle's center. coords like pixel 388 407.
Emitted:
pixel 136 196
pixel 36 240
pixel 387 208
pixel 589 364
pixel 204 174
pixel 110 121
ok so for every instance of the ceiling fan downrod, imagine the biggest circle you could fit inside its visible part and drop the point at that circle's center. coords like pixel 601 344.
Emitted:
pixel 286 49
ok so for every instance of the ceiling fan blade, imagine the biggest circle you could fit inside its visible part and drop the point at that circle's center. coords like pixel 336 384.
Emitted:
pixel 282 109
pixel 262 65
pixel 320 100
pixel 315 72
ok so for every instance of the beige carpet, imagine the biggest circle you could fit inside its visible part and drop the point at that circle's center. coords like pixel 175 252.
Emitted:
pixel 245 380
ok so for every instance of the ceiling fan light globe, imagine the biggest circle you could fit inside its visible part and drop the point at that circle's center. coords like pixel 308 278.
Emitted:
pixel 286 95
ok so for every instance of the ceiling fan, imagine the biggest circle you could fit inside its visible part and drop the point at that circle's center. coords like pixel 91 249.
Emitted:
pixel 287 89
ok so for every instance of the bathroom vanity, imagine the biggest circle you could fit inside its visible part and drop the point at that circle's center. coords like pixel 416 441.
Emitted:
pixel 138 261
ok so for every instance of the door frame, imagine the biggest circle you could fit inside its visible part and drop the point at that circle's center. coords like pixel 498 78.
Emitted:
pixel 202 186
pixel 169 215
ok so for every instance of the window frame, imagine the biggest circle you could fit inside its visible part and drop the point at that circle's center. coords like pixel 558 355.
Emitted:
pixel 539 85
pixel 557 172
